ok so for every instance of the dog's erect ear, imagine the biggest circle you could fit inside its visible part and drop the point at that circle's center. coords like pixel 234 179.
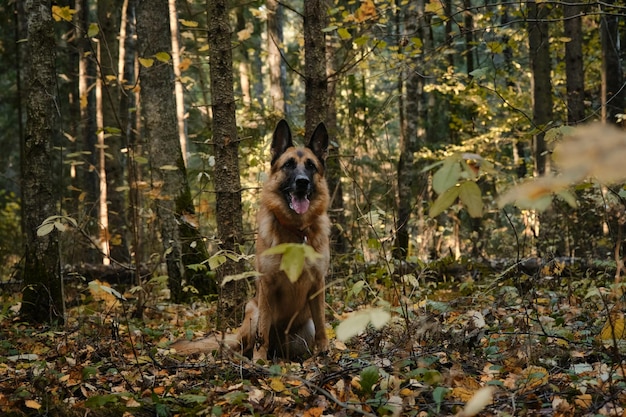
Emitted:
pixel 281 140
pixel 319 142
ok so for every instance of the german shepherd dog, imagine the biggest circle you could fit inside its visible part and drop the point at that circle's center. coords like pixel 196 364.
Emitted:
pixel 286 319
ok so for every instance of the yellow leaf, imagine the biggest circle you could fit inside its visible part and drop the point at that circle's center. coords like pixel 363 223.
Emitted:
pixel 495 47
pixel 189 23
pixel 434 6
pixel 613 329
pixel 146 62
pixel 163 56
pixel 62 13
pixel 32 404
pixel 277 385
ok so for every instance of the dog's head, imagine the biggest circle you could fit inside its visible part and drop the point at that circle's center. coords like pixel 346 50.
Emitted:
pixel 301 168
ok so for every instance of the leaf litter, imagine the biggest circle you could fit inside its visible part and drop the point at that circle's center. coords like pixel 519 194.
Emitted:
pixel 501 348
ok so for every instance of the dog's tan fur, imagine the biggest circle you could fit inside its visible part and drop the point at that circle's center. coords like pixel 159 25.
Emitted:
pixel 286 319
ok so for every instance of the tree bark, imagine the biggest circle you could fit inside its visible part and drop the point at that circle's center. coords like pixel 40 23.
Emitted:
pixel 574 71
pixel 468 30
pixel 338 240
pixel 178 86
pixel 42 299
pixel 414 114
pixel 539 50
pixel 275 62
pixel 316 82
pixel 182 243
pixel 109 17
pixel 612 91
pixel 226 147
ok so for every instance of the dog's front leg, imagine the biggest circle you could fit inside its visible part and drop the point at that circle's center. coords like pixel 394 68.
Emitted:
pixel 263 325
pixel 316 304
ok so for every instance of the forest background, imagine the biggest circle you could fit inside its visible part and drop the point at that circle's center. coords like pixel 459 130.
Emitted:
pixel 477 203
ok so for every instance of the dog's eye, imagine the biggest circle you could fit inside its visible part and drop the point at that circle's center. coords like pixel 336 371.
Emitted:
pixel 290 164
pixel 310 165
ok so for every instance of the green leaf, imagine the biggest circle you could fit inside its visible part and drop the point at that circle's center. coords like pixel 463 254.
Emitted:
pixel 93 30
pixel 293 258
pixel 99 401
pixel 470 195
pixel 444 201
pixel 239 277
pixel 479 72
pixel 439 394
pixel 197 267
pixel 88 372
pixel 193 398
pixel 344 34
pixel 45 229
pixel 369 377
pixel 448 175
pixel 361 40
pixel 216 260
pixel 292 263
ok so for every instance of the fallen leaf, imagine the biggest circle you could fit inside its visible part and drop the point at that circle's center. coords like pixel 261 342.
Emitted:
pixel 532 378
pixel 32 404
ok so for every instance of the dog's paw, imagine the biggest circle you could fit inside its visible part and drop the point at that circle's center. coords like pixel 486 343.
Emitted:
pixel 322 346
pixel 259 354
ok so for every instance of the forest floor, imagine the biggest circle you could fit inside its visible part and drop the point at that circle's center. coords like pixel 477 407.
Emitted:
pixel 548 344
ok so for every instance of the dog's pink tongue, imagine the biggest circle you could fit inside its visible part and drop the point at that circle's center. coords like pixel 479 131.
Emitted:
pixel 299 205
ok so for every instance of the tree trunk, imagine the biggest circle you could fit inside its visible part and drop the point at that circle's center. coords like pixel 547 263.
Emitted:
pixel 574 71
pixel 333 163
pixel 109 17
pixel 182 243
pixel 276 66
pixel 243 23
pixel 226 145
pixel 178 86
pixel 316 82
pixel 612 91
pixel 42 299
pixel 468 29
pixel 414 115
pixel 86 127
pixel 539 50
